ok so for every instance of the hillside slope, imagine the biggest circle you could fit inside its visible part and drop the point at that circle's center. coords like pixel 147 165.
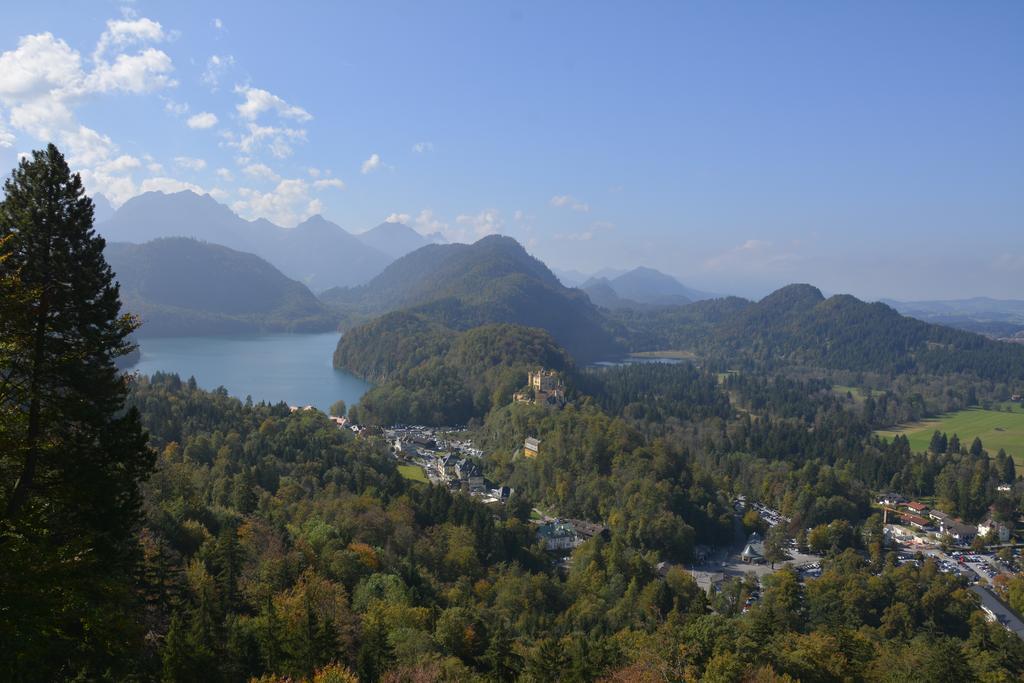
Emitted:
pixel 181 287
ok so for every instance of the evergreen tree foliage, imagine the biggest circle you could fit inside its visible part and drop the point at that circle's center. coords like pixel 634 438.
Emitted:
pixel 72 457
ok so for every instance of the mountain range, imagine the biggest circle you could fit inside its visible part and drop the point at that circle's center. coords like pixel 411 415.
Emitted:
pixel 184 287
pixel 316 252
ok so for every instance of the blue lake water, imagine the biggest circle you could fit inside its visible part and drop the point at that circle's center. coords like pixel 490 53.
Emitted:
pixel 294 368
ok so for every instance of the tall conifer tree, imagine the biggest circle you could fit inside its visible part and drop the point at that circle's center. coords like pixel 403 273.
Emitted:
pixel 72 457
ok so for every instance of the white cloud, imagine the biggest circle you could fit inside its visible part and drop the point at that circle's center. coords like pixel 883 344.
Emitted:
pixel 42 80
pixel 398 218
pixel 216 67
pixel 190 163
pixel 121 164
pixel 225 174
pixel 6 137
pixel 124 32
pixel 371 164
pixel 313 172
pixel 144 72
pixel 287 204
pixel 217 23
pixel 325 183
pixel 487 222
pixel 261 171
pixel 421 147
pixel 87 146
pixel 39 65
pixel 202 120
pixel 567 201
pixel 258 101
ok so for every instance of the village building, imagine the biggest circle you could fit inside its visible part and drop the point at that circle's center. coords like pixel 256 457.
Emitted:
pixel 531 447
pixel 955 528
pixel 919 508
pixel 753 551
pixel 587 530
pixel 1000 530
pixel 559 535
pixel 915 521
pixel 891 499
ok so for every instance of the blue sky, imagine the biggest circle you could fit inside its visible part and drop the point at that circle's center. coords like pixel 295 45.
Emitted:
pixel 869 148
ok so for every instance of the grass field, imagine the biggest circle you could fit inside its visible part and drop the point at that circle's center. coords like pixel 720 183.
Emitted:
pixel 997 429
pixel 413 473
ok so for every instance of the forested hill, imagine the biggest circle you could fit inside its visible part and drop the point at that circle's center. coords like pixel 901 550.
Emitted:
pixel 798 325
pixel 491 281
pixel 430 374
pixel 181 286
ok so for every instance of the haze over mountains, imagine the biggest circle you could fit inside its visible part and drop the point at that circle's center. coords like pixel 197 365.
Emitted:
pixel 1001 318
pixel 317 252
pixel 640 287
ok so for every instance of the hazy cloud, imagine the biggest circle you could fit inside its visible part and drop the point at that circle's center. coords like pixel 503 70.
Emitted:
pixel 325 183
pixel 190 163
pixel 567 201
pixel 371 164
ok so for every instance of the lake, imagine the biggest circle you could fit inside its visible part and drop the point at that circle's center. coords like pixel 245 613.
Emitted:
pixel 294 368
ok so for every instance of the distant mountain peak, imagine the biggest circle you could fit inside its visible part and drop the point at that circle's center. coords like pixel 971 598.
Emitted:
pixel 394 239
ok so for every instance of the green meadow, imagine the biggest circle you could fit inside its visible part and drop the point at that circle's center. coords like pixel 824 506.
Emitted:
pixel 413 473
pixel 996 429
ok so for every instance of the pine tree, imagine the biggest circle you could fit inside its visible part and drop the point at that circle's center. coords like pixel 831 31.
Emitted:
pixel 71 457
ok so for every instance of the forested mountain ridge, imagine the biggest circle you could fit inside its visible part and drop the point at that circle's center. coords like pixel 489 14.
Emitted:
pixel 316 252
pixel 798 325
pixel 491 281
pixel 182 287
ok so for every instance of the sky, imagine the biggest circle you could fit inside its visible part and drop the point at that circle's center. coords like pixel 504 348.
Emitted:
pixel 869 148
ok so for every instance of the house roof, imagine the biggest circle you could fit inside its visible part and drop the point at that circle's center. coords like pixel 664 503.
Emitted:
pixel 532 442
